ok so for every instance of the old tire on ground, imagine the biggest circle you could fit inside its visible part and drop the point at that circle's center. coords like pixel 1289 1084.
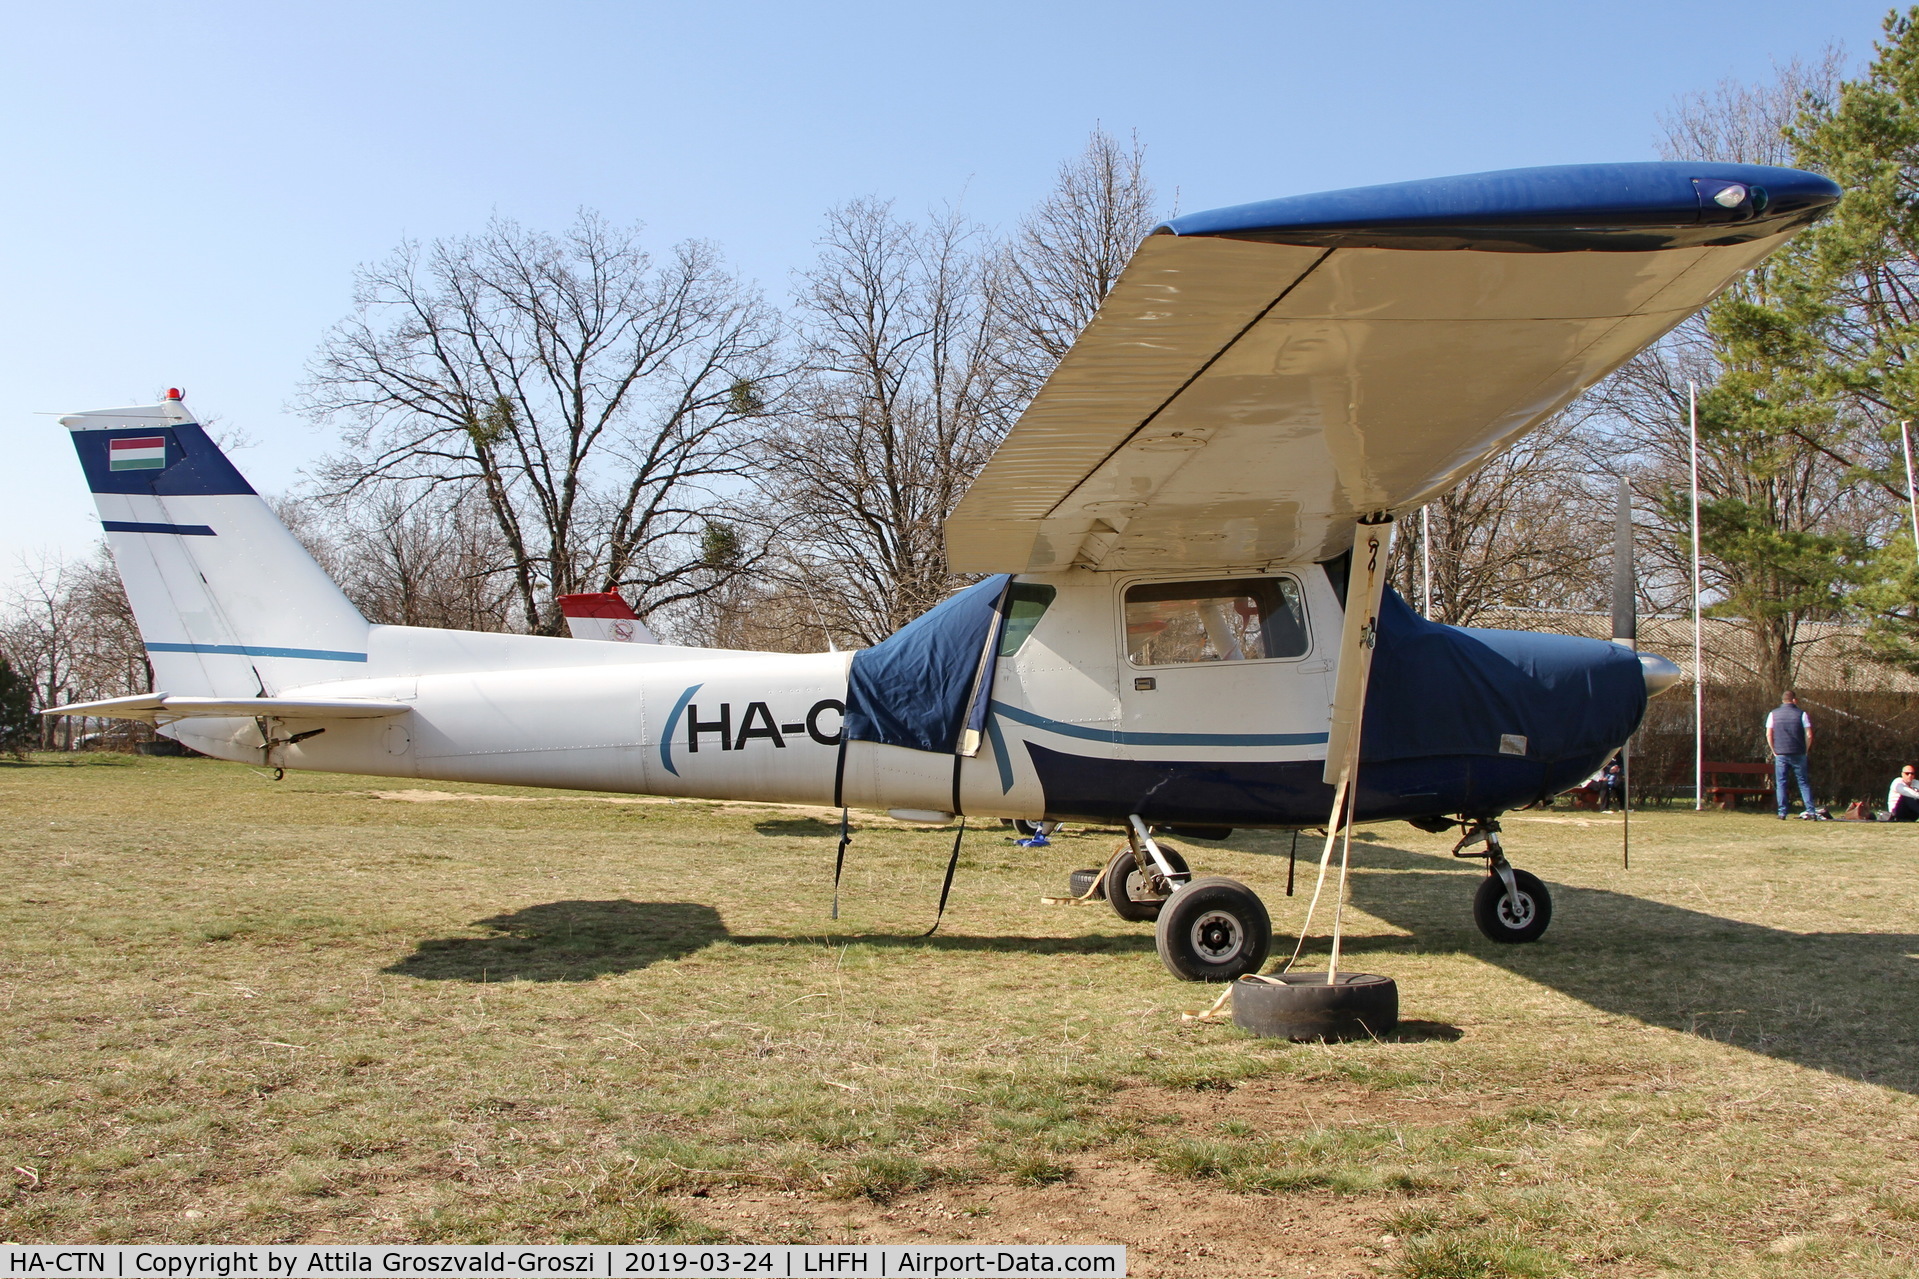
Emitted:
pixel 1506 919
pixel 1302 1006
pixel 1080 880
pixel 1213 929
pixel 1131 891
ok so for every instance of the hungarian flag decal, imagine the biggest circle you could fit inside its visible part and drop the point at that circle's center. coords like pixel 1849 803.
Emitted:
pixel 140 453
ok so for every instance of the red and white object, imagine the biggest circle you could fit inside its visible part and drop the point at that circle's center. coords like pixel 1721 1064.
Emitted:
pixel 604 616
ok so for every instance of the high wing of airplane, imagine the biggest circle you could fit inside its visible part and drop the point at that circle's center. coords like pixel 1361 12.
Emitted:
pixel 1183 622
pixel 1261 376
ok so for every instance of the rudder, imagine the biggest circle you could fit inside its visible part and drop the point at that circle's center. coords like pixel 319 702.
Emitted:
pixel 228 602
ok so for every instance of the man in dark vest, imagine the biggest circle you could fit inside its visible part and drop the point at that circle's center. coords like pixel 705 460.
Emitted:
pixel 1789 738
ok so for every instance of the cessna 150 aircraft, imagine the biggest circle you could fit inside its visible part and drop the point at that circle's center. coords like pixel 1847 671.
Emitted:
pixel 1183 620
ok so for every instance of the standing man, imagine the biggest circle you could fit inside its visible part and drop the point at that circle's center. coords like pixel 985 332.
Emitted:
pixel 1789 738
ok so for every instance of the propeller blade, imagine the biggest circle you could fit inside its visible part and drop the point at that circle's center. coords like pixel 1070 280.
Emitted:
pixel 1625 584
pixel 1625 630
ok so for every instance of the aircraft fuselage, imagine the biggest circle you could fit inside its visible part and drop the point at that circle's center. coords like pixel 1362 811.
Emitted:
pixel 1101 707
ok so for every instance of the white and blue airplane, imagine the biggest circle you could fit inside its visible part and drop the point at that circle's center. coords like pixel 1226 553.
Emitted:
pixel 1182 622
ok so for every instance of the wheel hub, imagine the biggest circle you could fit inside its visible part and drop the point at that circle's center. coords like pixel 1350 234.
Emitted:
pixel 1516 910
pixel 1218 936
pixel 1142 887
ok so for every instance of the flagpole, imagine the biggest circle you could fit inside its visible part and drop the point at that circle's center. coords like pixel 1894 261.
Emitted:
pixel 1912 499
pixel 1426 554
pixel 1698 635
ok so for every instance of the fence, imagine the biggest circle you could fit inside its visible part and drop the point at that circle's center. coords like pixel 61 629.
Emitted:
pixel 1859 738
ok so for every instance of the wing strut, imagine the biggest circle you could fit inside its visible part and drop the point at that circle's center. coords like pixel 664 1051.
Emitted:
pixel 1366 583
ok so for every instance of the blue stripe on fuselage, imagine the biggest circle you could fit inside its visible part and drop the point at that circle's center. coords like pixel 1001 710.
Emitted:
pixel 1122 737
pixel 249 650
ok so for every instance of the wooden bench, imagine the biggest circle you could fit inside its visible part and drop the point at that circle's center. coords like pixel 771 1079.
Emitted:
pixel 1727 794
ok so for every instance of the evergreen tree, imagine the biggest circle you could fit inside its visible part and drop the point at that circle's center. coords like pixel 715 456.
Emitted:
pixel 18 727
pixel 1840 335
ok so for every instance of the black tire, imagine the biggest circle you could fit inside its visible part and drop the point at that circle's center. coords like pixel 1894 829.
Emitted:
pixel 1080 880
pixel 1025 828
pixel 1131 893
pixel 1504 920
pixel 1302 1006
pixel 1213 929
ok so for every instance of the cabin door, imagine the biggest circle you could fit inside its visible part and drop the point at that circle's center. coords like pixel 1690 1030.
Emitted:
pixel 1225 663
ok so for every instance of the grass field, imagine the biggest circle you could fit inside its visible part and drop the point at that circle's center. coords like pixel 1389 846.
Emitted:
pixel 331 1010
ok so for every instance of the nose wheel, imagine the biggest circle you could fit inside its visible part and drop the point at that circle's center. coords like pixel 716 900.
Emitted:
pixel 1511 905
pixel 1518 912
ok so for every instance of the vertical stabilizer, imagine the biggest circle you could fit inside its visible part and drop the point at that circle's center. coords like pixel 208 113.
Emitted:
pixel 228 602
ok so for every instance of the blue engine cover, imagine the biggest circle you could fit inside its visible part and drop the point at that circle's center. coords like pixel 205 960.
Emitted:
pixel 1458 720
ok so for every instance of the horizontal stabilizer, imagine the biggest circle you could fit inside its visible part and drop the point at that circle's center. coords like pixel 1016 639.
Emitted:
pixel 159 708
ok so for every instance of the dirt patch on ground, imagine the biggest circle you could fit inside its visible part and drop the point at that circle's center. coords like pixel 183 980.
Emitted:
pixel 1169 1226
pixel 1280 1107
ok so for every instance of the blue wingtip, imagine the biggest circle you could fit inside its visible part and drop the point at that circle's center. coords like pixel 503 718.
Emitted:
pixel 1650 204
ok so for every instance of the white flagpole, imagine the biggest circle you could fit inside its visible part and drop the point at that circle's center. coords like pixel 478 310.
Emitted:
pixel 1912 500
pixel 1426 554
pixel 1698 635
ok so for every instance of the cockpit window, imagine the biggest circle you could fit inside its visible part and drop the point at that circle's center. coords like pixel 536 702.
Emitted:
pixel 1236 620
pixel 1026 602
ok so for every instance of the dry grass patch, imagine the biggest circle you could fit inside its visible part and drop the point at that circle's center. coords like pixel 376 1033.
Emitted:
pixel 247 1011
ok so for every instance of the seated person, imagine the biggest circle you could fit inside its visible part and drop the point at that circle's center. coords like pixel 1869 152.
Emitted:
pixel 1902 801
pixel 1612 784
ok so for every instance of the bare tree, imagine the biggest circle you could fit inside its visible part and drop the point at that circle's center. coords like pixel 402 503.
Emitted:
pixel 1068 253
pixel 1748 123
pixel 413 555
pixel 588 394
pixel 41 635
pixel 901 406
pixel 1515 534
pixel 68 631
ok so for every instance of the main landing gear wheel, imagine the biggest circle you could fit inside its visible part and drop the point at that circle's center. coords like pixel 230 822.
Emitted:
pixel 1213 929
pixel 1303 1006
pixel 1517 916
pixel 1138 894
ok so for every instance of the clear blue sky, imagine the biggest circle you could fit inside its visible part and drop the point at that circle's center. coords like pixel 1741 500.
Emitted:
pixel 191 185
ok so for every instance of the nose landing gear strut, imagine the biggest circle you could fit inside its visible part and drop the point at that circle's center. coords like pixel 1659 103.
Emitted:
pixel 1511 905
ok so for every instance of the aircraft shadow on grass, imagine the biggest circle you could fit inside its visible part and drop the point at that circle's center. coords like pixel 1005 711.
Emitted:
pixel 1845 1003
pixel 582 940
